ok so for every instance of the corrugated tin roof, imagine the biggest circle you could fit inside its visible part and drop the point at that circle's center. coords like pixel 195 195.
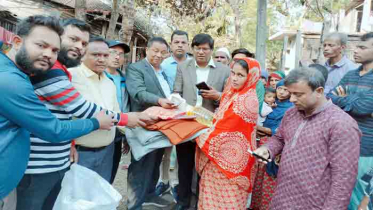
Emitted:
pixel 99 5
pixel 353 4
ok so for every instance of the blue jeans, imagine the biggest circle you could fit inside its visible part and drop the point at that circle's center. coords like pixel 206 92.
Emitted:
pixel 142 178
pixel 100 161
pixel 39 191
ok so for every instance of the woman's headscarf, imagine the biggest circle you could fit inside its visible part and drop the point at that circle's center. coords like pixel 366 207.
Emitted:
pixel 277 74
pixel 226 143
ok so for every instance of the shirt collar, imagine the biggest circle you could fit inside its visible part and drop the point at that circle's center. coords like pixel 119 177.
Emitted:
pixel 339 64
pixel 319 110
pixel 160 71
pixel 173 60
pixel 210 64
pixel 89 73
pixel 59 65
pixel 6 61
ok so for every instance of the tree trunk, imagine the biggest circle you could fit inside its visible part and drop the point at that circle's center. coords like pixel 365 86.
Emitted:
pixel 234 4
pixel 284 52
pixel 298 49
pixel 128 20
pixel 110 34
pixel 237 25
pixel 80 9
pixel 325 29
pixel 261 32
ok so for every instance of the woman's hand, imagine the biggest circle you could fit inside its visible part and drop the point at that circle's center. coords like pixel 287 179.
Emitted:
pixel 264 130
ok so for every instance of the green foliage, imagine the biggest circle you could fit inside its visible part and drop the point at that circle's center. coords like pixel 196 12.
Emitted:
pixel 216 17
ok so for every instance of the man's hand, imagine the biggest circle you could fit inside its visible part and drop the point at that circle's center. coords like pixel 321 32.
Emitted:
pixel 125 148
pixel 74 157
pixel 211 94
pixel 134 120
pixel 106 121
pixel 147 119
pixel 364 203
pixel 264 152
pixel 340 91
pixel 165 103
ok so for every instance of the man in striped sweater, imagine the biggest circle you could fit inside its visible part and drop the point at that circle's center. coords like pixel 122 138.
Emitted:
pixel 354 94
pixel 49 161
pixel 21 112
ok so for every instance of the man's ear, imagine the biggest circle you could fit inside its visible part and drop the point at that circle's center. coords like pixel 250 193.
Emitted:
pixel 320 91
pixel 343 47
pixel 17 42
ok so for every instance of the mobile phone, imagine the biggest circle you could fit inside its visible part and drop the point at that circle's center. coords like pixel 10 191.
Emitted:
pixel 202 86
pixel 258 156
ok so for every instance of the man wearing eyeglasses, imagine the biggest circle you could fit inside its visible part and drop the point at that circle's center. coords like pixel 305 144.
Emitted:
pixel 202 68
pixel 116 60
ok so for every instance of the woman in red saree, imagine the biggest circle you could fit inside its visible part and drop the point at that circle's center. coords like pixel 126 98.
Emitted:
pixel 227 170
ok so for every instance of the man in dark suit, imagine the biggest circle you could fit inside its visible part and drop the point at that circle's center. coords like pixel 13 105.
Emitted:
pixel 201 68
pixel 148 86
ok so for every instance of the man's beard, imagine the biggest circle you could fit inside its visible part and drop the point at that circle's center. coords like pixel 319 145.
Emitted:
pixel 24 62
pixel 65 60
pixel 179 55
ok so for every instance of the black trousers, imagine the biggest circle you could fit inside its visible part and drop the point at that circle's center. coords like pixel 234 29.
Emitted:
pixel 186 159
pixel 116 160
pixel 142 178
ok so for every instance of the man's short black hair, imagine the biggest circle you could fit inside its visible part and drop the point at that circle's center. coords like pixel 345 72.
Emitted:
pixel 312 76
pixel 93 38
pixel 83 26
pixel 157 39
pixel 243 51
pixel 200 39
pixel 26 25
pixel 180 33
pixel 366 36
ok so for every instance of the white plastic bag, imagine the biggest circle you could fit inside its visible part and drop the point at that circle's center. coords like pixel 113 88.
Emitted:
pixel 84 189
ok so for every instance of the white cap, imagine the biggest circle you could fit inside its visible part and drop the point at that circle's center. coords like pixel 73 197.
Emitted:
pixel 224 50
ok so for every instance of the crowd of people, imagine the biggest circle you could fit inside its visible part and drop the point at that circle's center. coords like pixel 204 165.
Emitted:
pixel 298 141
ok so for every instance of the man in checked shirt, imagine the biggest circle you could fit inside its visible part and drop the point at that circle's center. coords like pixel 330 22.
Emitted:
pixel 320 146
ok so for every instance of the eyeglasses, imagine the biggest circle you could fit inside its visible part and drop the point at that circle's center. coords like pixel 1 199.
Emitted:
pixel 205 50
pixel 115 53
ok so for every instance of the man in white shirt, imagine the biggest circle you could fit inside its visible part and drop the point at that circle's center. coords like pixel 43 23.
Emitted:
pixel 148 86
pixel 179 47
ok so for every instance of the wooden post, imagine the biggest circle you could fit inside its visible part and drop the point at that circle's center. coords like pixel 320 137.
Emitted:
pixel 104 29
pixel 261 32
pixel 80 9
pixel 298 48
pixel 284 52
pixel 134 50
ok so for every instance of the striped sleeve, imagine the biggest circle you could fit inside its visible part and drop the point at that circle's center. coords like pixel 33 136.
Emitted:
pixel 359 104
pixel 55 88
